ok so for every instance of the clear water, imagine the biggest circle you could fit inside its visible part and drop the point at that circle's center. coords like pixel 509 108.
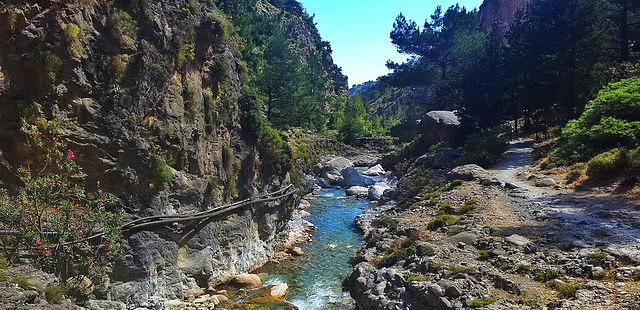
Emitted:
pixel 315 279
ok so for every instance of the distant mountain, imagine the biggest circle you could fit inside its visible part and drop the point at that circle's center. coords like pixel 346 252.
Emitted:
pixel 504 11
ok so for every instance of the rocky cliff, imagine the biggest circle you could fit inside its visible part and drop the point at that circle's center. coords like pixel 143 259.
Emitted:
pixel 154 90
pixel 503 12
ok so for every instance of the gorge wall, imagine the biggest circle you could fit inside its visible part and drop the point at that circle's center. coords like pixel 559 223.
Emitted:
pixel 154 90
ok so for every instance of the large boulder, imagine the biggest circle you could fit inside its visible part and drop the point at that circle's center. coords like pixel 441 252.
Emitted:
pixel 376 170
pixel 357 191
pixel 442 126
pixel 331 170
pixel 352 177
pixel 247 281
pixel 470 172
pixel 377 191
pixel 439 160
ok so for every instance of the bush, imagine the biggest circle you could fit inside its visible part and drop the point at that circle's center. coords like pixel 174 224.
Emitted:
pixel 52 215
pixel 567 290
pixel 610 120
pixel 55 294
pixel 482 302
pixel 607 164
pixel 275 149
pixel 443 220
pixel 461 269
pixel 161 171
pixel 576 171
pixel 123 27
pixel 485 148
pixel 387 221
pixel 546 276
pixel 468 206
pixel 21 282
pixel 186 53
pixel 416 277
pixel 119 65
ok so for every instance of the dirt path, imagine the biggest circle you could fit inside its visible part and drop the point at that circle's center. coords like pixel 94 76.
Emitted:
pixel 585 222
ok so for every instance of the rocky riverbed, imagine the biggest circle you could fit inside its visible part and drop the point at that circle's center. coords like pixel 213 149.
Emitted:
pixel 498 239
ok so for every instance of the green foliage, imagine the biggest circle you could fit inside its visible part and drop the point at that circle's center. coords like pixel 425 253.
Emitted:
pixel 416 277
pixel 387 221
pixel 355 122
pixel 55 294
pixel 483 254
pixel 546 276
pixel 523 269
pixel 393 256
pixel 119 65
pixel 72 30
pixel 610 120
pixel 186 54
pixel 461 269
pixel 607 164
pixel 275 149
pixel 453 185
pixel 162 173
pixel 567 290
pixel 52 213
pixel 52 63
pixel 485 148
pixel 123 27
pixel 576 171
pixel 482 302
pixel 22 282
pixel 443 220
pixel 468 206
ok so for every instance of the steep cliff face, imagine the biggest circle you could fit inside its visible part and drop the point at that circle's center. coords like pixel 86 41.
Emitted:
pixel 502 11
pixel 153 88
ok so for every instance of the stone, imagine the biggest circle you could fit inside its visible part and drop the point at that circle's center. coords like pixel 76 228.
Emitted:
pixel 297 251
pixel 358 191
pixel 352 177
pixel 376 170
pixel 508 185
pixel 545 182
pixel 221 298
pixel 279 290
pixel 438 160
pixel 468 173
pixel 377 191
pixel 116 305
pixel 597 272
pixel 331 171
pixel 518 240
pixel 441 126
pixel 304 204
pixel 247 280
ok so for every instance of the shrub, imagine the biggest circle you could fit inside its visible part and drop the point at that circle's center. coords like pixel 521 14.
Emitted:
pixel 576 171
pixel 123 27
pixel 546 276
pixel 453 184
pixel 484 148
pixel 119 65
pixel 483 254
pixel 607 164
pixel 454 231
pixel 461 269
pixel 387 221
pixel 482 302
pixel 445 208
pixel 443 220
pixel 391 258
pixel 186 53
pixel 416 277
pixel 55 294
pixel 610 120
pixel 72 30
pixel 21 282
pixel 161 171
pixel 468 206
pixel 567 290
pixel 523 269
pixel 52 215
pixel 276 151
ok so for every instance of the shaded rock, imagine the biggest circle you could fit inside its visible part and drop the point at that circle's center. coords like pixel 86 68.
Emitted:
pixel 442 126
pixel 377 191
pixel 545 182
pixel 353 178
pixel 439 160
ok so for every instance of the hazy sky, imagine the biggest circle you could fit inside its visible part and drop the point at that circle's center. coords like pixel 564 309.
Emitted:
pixel 359 30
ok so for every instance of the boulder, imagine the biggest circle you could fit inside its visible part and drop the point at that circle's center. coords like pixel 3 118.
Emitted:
pixel 331 170
pixel 376 170
pixel 518 240
pixel 377 191
pixel 442 126
pixel 247 280
pixel 546 182
pixel 468 173
pixel 439 160
pixel 358 191
pixel 352 177
pixel 279 290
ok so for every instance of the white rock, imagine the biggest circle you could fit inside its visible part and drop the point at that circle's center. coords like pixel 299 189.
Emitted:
pixel 357 191
pixel 377 191
pixel 518 240
pixel 279 290
pixel 376 170
pixel 304 204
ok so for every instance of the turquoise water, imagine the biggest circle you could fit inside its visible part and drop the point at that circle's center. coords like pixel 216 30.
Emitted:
pixel 315 279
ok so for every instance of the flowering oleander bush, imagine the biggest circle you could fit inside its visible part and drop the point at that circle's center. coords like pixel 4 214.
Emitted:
pixel 51 217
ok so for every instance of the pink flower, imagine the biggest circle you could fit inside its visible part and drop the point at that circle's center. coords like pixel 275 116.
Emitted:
pixel 71 154
pixel 109 254
pixel 38 242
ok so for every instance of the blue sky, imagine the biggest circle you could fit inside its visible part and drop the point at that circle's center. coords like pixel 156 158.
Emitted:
pixel 359 30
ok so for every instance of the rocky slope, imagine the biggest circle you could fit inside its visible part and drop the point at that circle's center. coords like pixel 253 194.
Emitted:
pixel 153 90
pixel 507 238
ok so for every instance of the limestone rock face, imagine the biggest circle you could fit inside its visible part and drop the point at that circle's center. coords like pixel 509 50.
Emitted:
pixel 151 85
pixel 502 11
